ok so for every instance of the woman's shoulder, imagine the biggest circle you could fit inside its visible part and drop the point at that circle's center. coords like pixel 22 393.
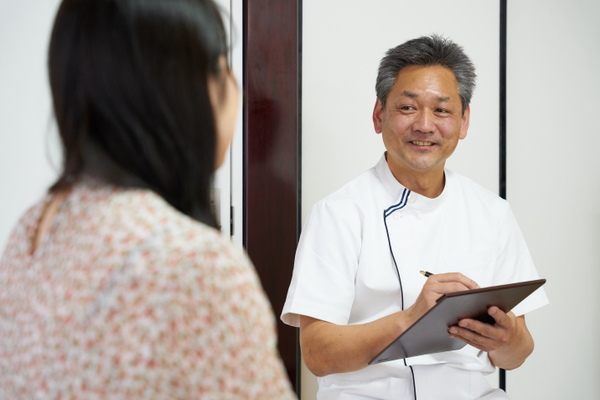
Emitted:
pixel 21 236
pixel 147 216
pixel 166 236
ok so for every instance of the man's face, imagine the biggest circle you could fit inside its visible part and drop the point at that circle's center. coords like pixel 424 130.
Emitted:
pixel 422 121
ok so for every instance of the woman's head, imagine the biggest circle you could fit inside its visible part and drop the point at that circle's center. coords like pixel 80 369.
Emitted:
pixel 144 84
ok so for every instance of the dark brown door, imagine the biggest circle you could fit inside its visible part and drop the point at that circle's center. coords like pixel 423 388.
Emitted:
pixel 271 153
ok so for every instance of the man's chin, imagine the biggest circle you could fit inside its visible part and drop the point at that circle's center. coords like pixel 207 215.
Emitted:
pixel 425 165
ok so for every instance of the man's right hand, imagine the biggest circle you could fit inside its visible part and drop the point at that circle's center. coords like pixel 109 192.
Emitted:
pixel 329 348
pixel 436 286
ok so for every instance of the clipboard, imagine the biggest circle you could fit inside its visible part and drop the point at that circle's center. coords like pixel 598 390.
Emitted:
pixel 429 334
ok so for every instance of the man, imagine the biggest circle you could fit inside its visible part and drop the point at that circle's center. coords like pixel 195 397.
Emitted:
pixel 356 283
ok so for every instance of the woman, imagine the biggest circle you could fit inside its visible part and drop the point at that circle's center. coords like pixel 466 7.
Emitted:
pixel 116 284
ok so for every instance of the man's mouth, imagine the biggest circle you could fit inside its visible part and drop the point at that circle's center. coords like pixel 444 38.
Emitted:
pixel 419 143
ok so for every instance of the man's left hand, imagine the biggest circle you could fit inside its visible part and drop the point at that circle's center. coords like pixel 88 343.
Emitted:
pixel 508 341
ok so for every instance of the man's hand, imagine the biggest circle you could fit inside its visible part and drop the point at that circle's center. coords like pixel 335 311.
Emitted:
pixel 508 341
pixel 436 286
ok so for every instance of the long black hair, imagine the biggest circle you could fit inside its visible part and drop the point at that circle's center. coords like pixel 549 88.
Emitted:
pixel 129 82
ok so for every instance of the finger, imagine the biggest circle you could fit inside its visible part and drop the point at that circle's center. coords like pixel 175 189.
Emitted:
pixel 481 328
pixel 497 333
pixel 444 287
pixel 474 339
pixel 503 319
pixel 455 277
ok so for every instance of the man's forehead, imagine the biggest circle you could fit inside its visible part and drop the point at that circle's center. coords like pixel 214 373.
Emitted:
pixel 439 69
pixel 411 80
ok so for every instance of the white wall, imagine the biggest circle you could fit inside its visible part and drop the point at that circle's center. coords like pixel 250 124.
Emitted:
pixel 554 188
pixel 29 152
pixel 228 179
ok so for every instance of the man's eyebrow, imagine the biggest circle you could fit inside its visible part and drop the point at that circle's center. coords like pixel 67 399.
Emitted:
pixel 414 95
pixel 411 95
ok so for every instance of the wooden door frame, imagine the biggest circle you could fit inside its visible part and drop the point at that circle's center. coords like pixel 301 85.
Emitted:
pixel 271 126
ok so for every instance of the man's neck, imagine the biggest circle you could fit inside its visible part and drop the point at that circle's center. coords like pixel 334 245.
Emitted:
pixel 429 184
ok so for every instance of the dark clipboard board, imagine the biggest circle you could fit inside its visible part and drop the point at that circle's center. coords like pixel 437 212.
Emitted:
pixel 429 334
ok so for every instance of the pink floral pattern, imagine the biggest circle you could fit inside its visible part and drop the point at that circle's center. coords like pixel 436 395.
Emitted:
pixel 126 298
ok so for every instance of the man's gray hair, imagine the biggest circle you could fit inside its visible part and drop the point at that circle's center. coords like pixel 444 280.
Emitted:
pixel 427 51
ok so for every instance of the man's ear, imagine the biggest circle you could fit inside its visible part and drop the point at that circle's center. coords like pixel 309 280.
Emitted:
pixel 377 112
pixel 465 123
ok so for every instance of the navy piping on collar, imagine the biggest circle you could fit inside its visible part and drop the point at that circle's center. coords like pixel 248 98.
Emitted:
pixel 386 214
pixel 400 205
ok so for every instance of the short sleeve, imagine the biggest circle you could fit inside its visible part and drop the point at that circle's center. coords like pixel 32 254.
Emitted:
pixel 325 267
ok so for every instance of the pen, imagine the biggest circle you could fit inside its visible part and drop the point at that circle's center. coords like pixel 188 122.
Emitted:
pixel 426 273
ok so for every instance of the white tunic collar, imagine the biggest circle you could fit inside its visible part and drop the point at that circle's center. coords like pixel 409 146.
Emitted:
pixel 399 191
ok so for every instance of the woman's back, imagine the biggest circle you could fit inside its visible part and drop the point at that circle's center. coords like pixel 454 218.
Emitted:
pixel 125 297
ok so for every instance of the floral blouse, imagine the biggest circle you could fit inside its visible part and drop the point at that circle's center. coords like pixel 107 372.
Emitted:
pixel 127 298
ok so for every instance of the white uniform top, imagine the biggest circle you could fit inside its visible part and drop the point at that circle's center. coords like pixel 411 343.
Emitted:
pixel 345 273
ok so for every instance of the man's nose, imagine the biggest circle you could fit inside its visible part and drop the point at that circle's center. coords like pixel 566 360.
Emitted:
pixel 424 121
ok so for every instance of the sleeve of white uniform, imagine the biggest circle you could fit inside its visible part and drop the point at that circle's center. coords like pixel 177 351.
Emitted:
pixel 514 262
pixel 325 267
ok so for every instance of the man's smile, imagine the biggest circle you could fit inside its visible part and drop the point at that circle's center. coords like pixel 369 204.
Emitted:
pixel 419 143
